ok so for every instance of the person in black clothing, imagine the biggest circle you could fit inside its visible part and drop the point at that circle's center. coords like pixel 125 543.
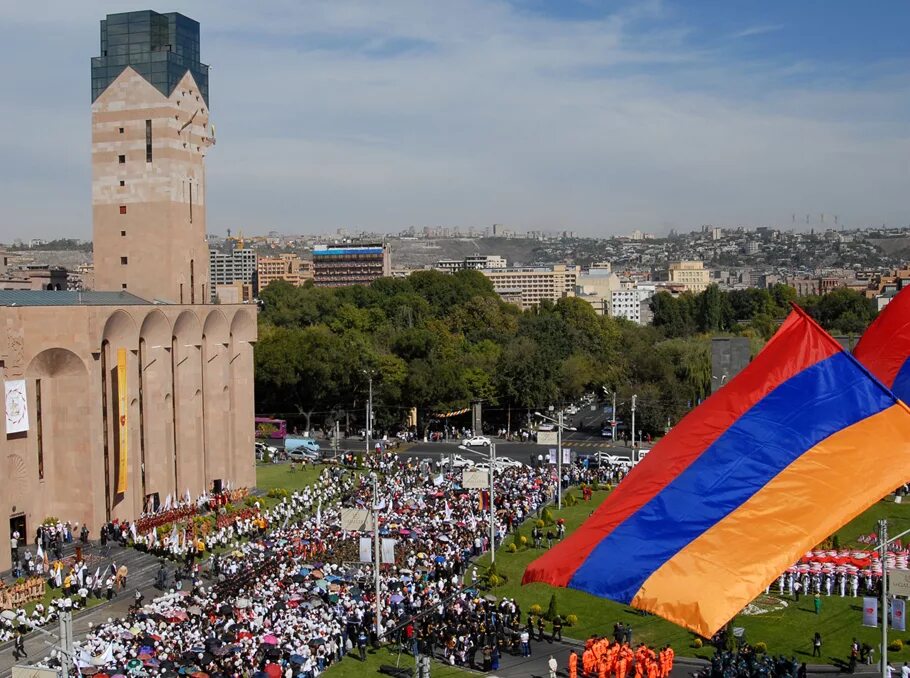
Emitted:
pixel 540 628
pixel 19 649
pixel 817 645
pixel 557 628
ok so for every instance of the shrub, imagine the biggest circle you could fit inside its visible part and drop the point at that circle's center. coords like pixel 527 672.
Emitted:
pixel 535 610
pixel 595 486
pixel 279 493
pixel 571 620
pixel 511 548
pixel 517 539
pixel 697 643
pixel 547 516
pixel 250 501
pixel 495 580
pixel 51 520
pixel 570 500
pixel 539 523
pixel 895 645
pixel 552 612
pixel 524 540
pixel 835 542
pixel 760 647
pixel 266 457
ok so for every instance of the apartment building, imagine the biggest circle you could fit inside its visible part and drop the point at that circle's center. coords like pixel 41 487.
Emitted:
pixel 476 262
pixel 226 268
pixel 349 264
pixel 692 275
pixel 288 267
pixel 534 283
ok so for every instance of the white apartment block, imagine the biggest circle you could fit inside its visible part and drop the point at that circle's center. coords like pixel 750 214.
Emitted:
pixel 631 303
pixel 476 262
pixel 534 284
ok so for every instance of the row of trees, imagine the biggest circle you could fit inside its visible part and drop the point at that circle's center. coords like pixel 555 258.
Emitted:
pixel 843 311
pixel 437 342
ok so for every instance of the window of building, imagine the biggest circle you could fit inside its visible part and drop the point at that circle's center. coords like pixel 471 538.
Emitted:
pixel 122 234
pixel 123 261
pixel 148 140
pixel 122 183
pixel 121 159
pixel 121 130
pixel 122 209
pixel 123 286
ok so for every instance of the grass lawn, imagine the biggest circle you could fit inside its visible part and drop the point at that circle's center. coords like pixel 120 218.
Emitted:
pixel 785 631
pixel 352 667
pixel 280 475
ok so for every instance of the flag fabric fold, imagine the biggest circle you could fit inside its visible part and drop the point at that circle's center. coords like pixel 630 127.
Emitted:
pixel 745 484
pixel 885 346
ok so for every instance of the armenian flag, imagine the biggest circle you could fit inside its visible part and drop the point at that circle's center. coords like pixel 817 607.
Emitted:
pixel 885 347
pixel 743 486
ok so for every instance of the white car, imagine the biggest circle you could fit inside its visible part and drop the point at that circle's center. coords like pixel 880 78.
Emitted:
pixel 457 461
pixel 476 441
pixel 546 427
pixel 508 462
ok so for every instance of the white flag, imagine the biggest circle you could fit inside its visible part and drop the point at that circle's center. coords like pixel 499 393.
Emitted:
pixel 388 551
pixel 167 503
pixel 188 497
pixel 365 550
pixel 133 532
pixel 175 539
pixel 437 481
pixel 319 513
pixel 39 556
pixel 448 511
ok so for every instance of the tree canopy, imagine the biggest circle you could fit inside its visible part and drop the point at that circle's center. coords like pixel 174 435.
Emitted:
pixel 437 342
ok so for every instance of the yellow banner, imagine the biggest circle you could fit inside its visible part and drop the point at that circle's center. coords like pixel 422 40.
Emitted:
pixel 122 406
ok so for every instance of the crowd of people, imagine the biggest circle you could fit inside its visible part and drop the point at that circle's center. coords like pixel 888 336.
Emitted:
pixel 287 590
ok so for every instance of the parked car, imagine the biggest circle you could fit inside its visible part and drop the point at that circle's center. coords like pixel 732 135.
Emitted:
pixel 476 441
pixel 508 462
pixel 606 432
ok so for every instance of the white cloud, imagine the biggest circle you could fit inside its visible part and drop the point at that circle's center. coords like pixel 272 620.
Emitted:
pixel 385 115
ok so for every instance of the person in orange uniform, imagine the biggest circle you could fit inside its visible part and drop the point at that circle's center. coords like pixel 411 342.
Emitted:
pixel 671 655
pixel 652 665
pixel 587 662
pixel 640 660
pixel 622 662
pixel 573 664
pixel 611 656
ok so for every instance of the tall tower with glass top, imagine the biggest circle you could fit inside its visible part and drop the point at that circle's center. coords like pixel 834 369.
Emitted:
pixel 150 134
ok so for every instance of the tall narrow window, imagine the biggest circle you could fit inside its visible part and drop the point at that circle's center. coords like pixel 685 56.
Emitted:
pixel 181 293
pixel 148 140
pixel 192 281
pixel 39 435
pixel 191 202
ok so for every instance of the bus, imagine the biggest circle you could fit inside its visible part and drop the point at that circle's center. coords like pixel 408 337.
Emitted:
pixel 275 429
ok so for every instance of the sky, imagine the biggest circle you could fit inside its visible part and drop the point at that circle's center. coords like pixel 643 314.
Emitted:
pixel 594 116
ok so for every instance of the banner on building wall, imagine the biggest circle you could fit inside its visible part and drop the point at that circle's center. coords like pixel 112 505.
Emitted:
pixel 16 406
pixel 365 552
pixel 122 406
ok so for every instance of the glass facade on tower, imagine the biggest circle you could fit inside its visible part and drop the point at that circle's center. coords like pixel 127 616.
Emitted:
pixel 160 47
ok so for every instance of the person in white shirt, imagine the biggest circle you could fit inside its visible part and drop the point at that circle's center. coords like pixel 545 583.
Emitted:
pixel 552 666
pixel 905 671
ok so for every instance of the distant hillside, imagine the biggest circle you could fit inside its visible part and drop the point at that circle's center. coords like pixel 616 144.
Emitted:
pixel 891 246
pixel 423 252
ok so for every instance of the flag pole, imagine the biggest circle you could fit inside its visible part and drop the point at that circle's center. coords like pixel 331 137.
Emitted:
pixel 883 534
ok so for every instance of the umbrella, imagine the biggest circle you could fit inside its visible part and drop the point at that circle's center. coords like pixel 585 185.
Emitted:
pixel 322 583
pixel 273 671
pixel 314 601
pixel 154 663
pixel 490 598
pixel 397 598
pixel 269 639
pixel 200 674
pixel 297 659
pixel 133 664
pixel 196 611
pixel 241 603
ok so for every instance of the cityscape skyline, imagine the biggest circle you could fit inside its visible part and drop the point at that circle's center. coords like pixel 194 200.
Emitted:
pixel 579 116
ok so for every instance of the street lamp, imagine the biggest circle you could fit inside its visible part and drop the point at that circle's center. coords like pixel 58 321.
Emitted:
pixel 492 503
pixel 369 417
pixel 559 428
pixel 613 415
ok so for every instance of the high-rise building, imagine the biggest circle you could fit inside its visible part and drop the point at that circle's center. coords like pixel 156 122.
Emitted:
pixel 349 264
pixel 236 266
pixel 150 134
